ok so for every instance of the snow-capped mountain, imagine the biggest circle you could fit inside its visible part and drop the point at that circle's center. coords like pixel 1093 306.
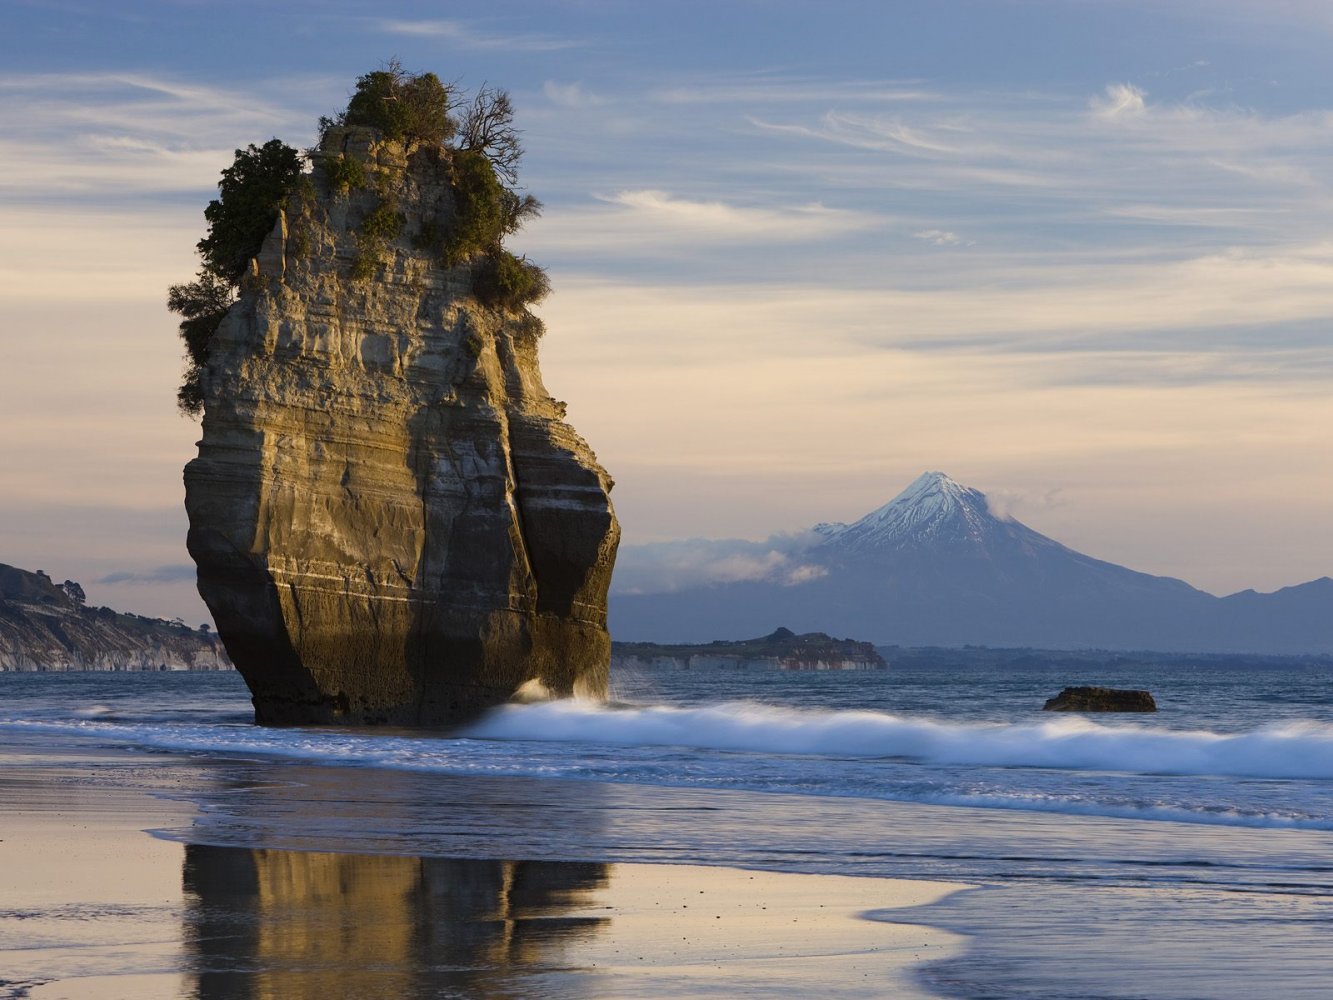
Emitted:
pixel 932 509
pixel 935 566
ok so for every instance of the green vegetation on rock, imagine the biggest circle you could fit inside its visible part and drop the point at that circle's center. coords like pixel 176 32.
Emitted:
pixel 504 281
pixel 203 303
pixel 373 236
pixel 250 195
pixel 483 161
pixel 401 106
pixel 345 174
pixel 474 142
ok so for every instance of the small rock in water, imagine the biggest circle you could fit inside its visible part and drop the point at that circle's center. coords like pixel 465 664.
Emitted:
pixel 1100 699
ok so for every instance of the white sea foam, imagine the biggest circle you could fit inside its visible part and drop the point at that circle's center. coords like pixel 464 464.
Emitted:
pixel 96 712
pixel 862 754
pixel 1289 750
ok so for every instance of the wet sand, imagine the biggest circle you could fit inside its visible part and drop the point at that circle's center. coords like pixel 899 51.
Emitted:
pixel 95 907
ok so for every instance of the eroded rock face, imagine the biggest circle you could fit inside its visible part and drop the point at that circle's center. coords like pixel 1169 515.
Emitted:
pixel 392 522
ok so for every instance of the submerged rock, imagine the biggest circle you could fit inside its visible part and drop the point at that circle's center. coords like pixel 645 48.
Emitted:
pixel 1100 699
pixel 391 519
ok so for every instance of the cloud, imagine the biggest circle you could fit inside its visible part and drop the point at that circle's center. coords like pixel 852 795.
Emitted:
pixel 162 574
pixel 788 90
pixel 113 135
pixel 140 104
pixel 989 301
pixel 876 133
pixel 94 255
pixel 1007 504
pixel 649 221
pixel 466 36
pixel 571 95
pixel 665 567
pixel 734 222
pixel 1121 100
pixel 941 238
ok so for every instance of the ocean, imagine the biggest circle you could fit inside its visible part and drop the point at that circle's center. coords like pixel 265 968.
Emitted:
pixel 1186 854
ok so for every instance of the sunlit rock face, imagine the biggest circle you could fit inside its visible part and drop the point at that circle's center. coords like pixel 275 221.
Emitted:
pixel 391 520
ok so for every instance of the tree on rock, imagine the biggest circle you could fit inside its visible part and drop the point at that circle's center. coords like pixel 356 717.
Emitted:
pixel 480 149
pixel 250 195
pixel 402 106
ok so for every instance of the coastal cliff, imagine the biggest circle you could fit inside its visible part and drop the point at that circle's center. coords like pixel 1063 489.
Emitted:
pixel 45 626
pixel 391 519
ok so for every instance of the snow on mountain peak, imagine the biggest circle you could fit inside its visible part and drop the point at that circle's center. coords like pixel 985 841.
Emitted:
pixel 932 506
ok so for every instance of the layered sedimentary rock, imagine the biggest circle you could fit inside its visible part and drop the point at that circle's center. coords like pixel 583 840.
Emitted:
pixel 392 522
pixel 45 627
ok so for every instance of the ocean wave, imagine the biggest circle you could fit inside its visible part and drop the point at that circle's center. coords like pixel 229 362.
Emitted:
pixel 1120 771
pixel 1082 805
pixel 1287 750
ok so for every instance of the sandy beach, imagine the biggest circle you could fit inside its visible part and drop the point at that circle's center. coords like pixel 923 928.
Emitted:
pixel 97 907
pixel 616 863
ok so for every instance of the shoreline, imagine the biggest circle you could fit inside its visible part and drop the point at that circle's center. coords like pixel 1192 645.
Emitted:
pixel 109 896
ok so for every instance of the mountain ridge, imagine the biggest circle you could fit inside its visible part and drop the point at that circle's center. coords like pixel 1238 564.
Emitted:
pixel 936 566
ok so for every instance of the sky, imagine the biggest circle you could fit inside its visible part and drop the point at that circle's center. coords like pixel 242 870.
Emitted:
pixel 1078 254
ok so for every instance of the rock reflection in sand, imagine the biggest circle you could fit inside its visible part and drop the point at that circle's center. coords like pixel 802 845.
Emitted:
pixel 294 925
pixel 270 924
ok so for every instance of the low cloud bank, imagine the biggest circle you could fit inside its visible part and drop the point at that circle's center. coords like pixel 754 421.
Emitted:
pixel 162 574
pixel 665 567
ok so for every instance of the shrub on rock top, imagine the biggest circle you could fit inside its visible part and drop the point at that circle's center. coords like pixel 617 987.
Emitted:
pixel 482 149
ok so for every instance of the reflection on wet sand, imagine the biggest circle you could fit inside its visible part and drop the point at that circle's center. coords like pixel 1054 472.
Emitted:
pixel 269 924
pixel 285 925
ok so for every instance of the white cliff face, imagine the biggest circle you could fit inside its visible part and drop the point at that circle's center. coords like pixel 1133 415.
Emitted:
pixel 391 519
pixel 46 628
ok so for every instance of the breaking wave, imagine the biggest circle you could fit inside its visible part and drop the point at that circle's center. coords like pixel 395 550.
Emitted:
pixel 1290 750
pixel 1082 767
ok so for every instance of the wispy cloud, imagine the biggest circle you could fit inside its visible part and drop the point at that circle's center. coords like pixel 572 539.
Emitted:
pixel 160 574
pixel 1013 503
pixel 124 133
pixel 1081 317
pixel 571 95
pixel 468 36
pixel 653 220
pixel 665 567
pixel 729 221
pixel 1121 100
pixel 941 238
pixel 872 133
pixel 759 90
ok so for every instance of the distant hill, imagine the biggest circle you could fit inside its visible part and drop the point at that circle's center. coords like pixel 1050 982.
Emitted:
pixel 935 567
pixel 782 650
pixel 45 626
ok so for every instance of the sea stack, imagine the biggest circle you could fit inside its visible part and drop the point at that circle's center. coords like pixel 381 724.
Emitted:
pixel 392 522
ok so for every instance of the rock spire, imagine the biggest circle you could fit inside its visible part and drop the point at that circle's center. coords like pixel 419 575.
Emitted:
pixel 391 519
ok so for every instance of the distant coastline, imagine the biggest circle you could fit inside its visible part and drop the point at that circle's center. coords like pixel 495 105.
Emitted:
pixel 780 650
pixel 45 627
